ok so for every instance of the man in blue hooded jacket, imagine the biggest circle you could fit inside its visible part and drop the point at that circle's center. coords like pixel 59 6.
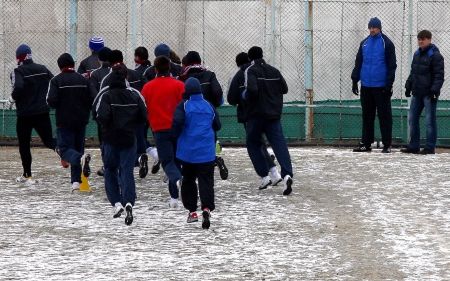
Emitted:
pixel 375 66
pixel 425 82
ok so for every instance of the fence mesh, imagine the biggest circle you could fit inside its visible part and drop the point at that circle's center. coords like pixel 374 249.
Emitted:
pixel 219 30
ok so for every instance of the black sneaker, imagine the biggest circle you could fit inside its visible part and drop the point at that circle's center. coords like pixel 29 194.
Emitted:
pixel 85 165
pixel 206 215
pixel 409 150
pixel 101 172
pixel 426 151
pixel 386 149
pixel 223 170
pixel 156 166
pixel 129 217
pixel 143 166
pixel 362 149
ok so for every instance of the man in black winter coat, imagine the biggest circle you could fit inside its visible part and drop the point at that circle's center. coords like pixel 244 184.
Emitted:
pixel 265 87
pixel 425 83
pixel 141 60
pixel 30 83
pixel 68 93
pixel 120 111
pixel 91 63
pixel 234 98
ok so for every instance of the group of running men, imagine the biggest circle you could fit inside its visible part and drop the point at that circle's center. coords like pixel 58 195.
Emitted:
pixel 176 98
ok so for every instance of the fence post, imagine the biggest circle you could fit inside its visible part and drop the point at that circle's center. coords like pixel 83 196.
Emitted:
pixel 73 24
pixel 273 44
pixel 309 76
pixel 410 54
pixel 133 25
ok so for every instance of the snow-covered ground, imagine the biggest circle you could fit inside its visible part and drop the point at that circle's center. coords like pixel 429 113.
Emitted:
pixel 351 217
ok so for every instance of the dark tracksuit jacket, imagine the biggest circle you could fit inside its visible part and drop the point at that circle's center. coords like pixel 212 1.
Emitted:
pixel 96 78
pixel 211 89
pixel 237 86
pixel 30 83
pixel 89 64
pixel 142 68
pixel 150 73
pixel 195 122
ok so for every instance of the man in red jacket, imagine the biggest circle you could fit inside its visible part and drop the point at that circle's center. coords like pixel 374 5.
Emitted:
pixel 162 95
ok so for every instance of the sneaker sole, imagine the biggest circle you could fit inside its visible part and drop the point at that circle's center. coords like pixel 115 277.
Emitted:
pixel 206 223
pixel 118 214
pixel 223 170
pixel 265 186
pixel 129 218
pixel 275 183
pixel 143 167
pixel 192 220
pixel 288 189
pixel 156 167
pixel 86 168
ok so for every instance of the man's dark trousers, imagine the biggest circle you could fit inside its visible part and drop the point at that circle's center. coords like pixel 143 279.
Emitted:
pixel 376 100
pixel 255 129
pixel 71 149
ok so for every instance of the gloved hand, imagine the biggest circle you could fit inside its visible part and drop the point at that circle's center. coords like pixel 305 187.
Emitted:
pixel 434 95
pixel 408 93
pixel 388 90
pixel 355 89
pixel 9 103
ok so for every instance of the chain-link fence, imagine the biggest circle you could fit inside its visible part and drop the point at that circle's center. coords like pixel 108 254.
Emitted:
pixel 313 43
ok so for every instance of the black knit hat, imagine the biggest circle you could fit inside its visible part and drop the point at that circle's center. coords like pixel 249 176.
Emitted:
pixel 115 56
pixel 65 60
pixel 255 53
pixel 193 57
pixel 104 53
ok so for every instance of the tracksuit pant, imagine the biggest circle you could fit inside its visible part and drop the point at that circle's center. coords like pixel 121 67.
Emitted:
pixel 204 173
pixel 71 148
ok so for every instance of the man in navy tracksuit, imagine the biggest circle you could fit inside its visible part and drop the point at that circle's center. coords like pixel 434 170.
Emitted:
pixel 68 93
pixel 234 98
pixel 425 82
pixel 120 110
pixel 265 87
pixel 161 50
pixel 195 121
pixel 30 83
pixel 375 66
pixel 91 63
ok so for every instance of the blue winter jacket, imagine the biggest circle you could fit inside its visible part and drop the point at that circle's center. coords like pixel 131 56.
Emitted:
pixel 194 123
pixel 375 62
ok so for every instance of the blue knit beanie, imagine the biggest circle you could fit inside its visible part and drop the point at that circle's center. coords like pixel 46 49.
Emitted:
pixel 192 86
pixel 96 43
pixel 23 50
pixel 162 50
pixel 375 23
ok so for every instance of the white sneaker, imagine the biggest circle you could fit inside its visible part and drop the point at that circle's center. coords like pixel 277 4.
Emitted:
pixel 153 152
pixel 179 183
pixel 287 185
pixel 275 177
pixel 75 186
pixel 117 210
pixel 265 182
pixel 173 203
pixel 26 180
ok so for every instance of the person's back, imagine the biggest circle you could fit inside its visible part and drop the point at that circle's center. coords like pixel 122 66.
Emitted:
pixel 195 122
pixel 68 93
pixel 162 95
pixel 237 86
pixel 98 74
pixel 120 110
pixel 30 83
pixel 265 89
pixel 211 89
pixel 161 50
